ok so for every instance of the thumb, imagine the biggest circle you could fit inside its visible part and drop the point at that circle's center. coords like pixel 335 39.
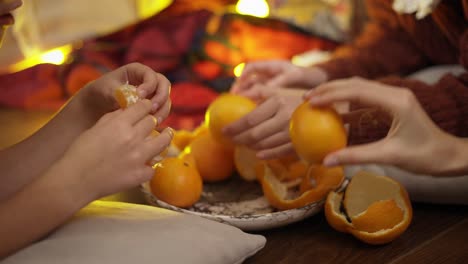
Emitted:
pixel 362 154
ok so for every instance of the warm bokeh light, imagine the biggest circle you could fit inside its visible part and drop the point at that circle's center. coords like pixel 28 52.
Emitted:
pixel 55 56
pixel 147 8
pixel 238 69
pixel 257 8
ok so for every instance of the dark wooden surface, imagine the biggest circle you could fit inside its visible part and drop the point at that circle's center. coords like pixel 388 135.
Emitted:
pixel 438 233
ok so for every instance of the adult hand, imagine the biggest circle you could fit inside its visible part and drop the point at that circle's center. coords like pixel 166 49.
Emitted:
pixel 413 143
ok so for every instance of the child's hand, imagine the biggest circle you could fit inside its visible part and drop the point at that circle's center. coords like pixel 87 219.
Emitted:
pixel 275 74
pixel 413 143
pixel 114 154
pixel 151 85
pixel 266 129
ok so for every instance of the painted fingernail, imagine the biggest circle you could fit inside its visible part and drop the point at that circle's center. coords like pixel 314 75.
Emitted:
pixel 331 161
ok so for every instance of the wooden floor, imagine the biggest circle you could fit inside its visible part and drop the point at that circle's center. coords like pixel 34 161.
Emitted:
pixel 438 234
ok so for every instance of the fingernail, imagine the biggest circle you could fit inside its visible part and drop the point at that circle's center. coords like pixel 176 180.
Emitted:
pixel 159 119
pixel 141 93
pixel 331 161
pixel 156 121
pixel 155 107
pixel 170 131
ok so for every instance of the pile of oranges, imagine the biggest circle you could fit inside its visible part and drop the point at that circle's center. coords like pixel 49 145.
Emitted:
pixel 373 208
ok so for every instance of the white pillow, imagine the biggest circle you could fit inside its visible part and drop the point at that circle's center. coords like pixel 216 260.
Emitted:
pixel 115 233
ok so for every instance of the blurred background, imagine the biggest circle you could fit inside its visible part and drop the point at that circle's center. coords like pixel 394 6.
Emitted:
pixel 57 46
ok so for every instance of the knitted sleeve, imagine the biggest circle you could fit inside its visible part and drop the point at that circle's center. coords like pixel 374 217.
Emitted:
pixel 383 48
pixel 446 103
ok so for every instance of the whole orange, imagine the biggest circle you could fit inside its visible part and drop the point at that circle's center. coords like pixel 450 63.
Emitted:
pixel 176 182
pixel 226 109
pixel 316 132
pixel 214 162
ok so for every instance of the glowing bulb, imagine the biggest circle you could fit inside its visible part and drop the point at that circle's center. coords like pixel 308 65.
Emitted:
pixel 257 8
pixel 55 56
pixel 238 69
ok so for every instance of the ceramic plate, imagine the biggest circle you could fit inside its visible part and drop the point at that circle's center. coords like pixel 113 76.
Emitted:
pixel 239 203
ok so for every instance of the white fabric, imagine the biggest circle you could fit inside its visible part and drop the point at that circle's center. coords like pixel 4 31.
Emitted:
pixel 121 233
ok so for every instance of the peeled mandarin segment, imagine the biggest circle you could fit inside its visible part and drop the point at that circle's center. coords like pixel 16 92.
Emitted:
pixel 316 132
pixel 176 182
pixel 245 161
pixel 126 95
pixel 379 216
pixel 226 109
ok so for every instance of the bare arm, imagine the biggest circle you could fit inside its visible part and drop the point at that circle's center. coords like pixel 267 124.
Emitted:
pixel 107 158
pixel 39 208
pixel 23 162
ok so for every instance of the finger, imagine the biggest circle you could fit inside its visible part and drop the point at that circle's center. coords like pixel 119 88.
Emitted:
pixel 143 174
pixel 153 85
pixel 160 94
pixel 8 6
pixel 263 130
pixel 245 83
pixel 289 78
pixel 355 116
pixel 263 112
pixel 272 141
pixel 278 152
pixel 144 127
pixel 163 111
pixel 266 66
pixel 357 92
pixel 109 116
pixel 259 92
pixel 156 145
pixel 136 112
pixel 362 154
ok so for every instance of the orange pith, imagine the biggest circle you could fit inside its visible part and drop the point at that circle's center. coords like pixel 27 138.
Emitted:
pixel 126 95
pixel 378 207
pixel 285 195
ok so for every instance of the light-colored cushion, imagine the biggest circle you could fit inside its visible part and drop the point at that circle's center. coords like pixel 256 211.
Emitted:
pixel 118 233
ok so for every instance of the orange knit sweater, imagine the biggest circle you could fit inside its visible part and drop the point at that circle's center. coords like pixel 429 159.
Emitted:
pixel 394 45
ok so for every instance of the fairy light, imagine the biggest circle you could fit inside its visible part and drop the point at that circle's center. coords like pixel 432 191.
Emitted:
pixel 257 8
pixel 238 69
